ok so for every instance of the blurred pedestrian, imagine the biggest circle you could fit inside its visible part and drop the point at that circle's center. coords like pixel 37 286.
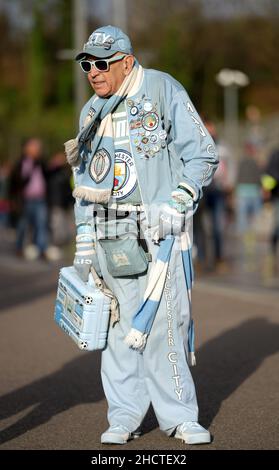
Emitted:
pixel 248 205
pixel 200 239
pixel 28 191
pixel 248 190
pixel 216 198
pixel 60 200
pixel 5 205
pixel 270 183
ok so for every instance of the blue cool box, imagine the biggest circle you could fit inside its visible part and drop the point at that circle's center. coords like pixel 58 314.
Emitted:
pixel 82 310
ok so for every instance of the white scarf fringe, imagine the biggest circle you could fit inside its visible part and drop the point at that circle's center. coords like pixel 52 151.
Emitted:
pixel 101 196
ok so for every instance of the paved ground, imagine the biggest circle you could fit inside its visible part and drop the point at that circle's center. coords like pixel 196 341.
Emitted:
pixel 51 395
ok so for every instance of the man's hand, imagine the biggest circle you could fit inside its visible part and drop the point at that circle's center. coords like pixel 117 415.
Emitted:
pixel 182 201
pixel 171 222
pixel 172 215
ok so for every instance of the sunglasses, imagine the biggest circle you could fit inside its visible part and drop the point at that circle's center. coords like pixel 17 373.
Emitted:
pixel 102 65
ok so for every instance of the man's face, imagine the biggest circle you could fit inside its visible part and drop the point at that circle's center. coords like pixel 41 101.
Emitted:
pixel 107 83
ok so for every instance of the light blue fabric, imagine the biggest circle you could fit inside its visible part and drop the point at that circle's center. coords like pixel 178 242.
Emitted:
pixel 189 278
pixel 89 137
pixel 93 149
pixel 248 203
pixel 145 315
pixel 106 41
pixel 125 187
pixel 182 152
pixel 35 213
pixel 186 153
pixel 160 374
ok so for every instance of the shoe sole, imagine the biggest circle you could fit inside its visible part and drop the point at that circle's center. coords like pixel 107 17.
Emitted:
pixel 111 438
pixel 198 439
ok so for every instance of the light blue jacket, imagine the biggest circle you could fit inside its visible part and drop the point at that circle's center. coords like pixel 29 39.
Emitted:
pixel 187 155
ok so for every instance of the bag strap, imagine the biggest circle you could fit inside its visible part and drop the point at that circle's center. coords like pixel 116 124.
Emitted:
pixel 114 304
pixel 141 239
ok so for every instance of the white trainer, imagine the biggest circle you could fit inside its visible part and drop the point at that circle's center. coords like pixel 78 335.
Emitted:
pixel 118 434
pixel 192 432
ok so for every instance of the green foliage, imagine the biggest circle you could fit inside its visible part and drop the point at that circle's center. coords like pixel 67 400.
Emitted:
pixel 194 48
pixel 37 87
pixel 36 95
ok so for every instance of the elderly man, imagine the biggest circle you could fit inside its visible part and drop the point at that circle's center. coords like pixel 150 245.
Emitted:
pixel 143 152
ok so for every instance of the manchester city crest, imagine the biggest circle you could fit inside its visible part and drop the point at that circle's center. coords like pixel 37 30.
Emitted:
pixel 125 176
pixel 100 165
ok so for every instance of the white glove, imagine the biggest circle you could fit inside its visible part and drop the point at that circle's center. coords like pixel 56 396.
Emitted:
pixel 171 222
pixel 182 202
pixel 85 255
pixel 172 215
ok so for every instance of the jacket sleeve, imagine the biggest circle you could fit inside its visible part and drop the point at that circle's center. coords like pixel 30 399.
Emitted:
pixel 84 213
pixel 192 144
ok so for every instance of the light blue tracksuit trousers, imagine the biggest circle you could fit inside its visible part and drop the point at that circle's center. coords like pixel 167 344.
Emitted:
pixel 160 375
